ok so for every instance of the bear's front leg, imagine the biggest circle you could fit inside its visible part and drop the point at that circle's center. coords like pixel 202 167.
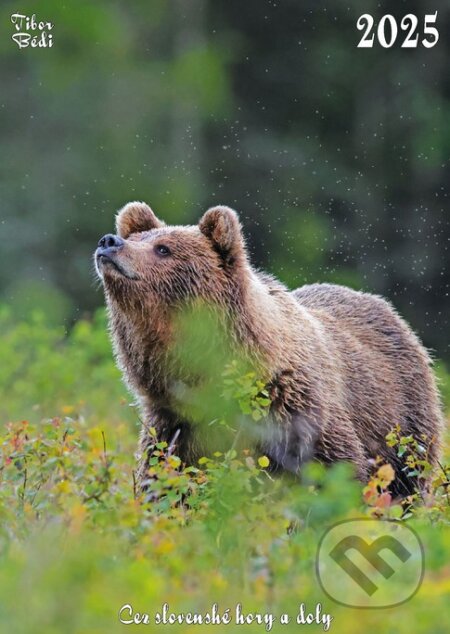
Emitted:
pixel 169 429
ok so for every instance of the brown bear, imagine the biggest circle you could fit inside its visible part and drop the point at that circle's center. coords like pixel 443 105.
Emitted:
pixel 341 367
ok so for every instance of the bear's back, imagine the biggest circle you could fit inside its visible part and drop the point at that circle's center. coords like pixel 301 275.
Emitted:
pixel 367 317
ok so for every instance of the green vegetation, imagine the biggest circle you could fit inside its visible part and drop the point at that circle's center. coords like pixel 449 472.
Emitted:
pixel 336 161
pixel 335 157
pixel 76 543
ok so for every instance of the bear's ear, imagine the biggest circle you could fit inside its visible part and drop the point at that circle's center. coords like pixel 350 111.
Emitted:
pixel 134 218
pixel 221 225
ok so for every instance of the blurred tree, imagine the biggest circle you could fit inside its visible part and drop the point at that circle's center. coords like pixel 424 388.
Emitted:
pixel 337 157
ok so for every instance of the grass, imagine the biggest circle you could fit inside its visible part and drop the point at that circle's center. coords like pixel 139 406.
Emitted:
pixel 77 544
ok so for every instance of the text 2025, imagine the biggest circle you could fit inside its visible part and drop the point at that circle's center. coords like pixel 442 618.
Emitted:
pixel 415 32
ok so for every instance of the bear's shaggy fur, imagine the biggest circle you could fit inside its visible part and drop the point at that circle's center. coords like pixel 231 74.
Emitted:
pixel 342 367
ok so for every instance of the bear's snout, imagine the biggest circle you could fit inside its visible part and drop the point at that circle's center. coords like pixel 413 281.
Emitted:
pixel 109 248
pixel 110 241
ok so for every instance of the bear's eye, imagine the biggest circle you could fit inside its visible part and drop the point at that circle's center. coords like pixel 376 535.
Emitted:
pixel 161 249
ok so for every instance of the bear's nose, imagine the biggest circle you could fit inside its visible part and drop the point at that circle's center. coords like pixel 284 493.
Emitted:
pixel 110 240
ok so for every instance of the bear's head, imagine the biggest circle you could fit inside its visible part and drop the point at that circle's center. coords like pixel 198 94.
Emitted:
pixel 148 263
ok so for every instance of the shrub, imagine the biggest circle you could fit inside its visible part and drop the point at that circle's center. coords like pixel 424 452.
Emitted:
pixel 77 541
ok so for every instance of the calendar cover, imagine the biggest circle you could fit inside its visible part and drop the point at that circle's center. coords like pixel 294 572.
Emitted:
pixel 224 316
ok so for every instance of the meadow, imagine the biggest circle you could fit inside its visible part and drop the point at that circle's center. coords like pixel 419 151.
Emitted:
pixel 77 542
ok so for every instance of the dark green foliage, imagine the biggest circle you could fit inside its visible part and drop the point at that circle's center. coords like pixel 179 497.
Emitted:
pixel 335 157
